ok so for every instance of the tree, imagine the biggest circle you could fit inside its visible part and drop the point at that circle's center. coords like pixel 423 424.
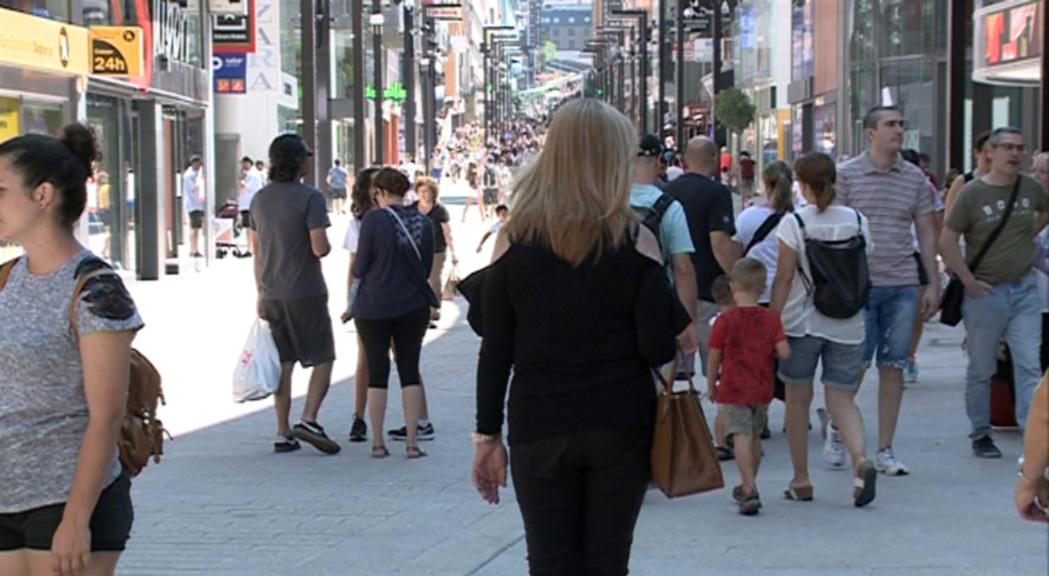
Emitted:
pixel 734 110
pixel 550 51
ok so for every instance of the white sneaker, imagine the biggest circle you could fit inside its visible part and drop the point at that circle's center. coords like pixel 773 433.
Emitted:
pixel 834 449
pixel 887 463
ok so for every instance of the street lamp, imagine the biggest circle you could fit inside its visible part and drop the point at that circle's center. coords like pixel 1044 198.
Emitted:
pixel 359 139
pixel 643 34
pixel 409 79
pixel 376 22
pixel 486 51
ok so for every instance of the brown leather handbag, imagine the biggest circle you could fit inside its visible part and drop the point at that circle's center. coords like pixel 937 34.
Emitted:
pixel 683 458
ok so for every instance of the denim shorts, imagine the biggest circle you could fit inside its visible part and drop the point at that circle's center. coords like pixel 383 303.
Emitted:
pixel 841 363
pixel 889 318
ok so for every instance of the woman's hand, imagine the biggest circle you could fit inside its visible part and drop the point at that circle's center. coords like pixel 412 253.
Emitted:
pixel 1028 504
pixel 71 549
pixel 346 317
pixel 489 469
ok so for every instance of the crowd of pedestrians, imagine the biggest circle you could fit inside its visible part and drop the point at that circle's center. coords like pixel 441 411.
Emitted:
pixel 829 271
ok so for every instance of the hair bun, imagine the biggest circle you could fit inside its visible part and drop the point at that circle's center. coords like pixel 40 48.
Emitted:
pixel 81 141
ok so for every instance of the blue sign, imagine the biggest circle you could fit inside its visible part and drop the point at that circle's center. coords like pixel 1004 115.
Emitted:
pixel 230 73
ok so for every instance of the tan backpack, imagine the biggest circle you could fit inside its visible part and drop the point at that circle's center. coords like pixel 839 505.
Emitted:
pixel 142 435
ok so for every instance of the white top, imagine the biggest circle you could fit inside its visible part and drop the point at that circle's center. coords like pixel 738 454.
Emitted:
pixel 766 251
pixel 673 173
pixel 353 236
pixel 250 186
pixel 800 317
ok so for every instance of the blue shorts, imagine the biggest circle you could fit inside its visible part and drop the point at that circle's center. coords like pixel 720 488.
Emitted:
pixel 841 363
pixel 890 316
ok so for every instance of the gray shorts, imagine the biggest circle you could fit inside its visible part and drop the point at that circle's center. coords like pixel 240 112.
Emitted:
pixel 842 363
pixel 748 420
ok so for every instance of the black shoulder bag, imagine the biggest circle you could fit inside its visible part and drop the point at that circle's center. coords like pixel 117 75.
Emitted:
pixel 954 294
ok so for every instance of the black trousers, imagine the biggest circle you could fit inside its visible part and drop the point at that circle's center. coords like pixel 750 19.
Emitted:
pixel 406 333
pixel 580 495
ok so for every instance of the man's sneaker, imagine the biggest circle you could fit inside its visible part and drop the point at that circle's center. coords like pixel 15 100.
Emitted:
pixel 887 463
pixel 983 447
pixel 910 372
pixel 285 444
pixel 422 433
pixel 834 449
pixel 312 433
pixel 359 430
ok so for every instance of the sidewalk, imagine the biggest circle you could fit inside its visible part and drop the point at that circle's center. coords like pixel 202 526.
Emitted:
pixel 221 503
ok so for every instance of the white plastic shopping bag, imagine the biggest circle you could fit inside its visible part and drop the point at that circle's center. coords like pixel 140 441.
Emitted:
pixel 258 370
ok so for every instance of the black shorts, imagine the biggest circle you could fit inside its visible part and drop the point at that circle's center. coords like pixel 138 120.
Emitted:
pixel 491 195
pixel 923 274
pixel 245 219
pixel 338 193
pixel 110 522
pixel 301 330
pixel 196 219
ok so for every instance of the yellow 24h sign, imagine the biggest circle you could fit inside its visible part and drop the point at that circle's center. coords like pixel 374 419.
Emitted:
pixel 116 51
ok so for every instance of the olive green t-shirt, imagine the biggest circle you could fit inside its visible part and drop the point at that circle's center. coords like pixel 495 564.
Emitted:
pixel 980 208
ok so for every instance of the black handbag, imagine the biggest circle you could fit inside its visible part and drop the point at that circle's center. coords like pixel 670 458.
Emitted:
pixel 954 294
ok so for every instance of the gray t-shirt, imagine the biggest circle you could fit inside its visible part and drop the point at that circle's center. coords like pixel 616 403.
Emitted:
pixel 283 213
pixel 43 409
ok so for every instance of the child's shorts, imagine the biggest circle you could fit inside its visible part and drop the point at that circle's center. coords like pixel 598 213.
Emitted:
pixel 748 420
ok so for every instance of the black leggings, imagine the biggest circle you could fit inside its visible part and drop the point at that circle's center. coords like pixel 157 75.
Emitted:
pixel 407 334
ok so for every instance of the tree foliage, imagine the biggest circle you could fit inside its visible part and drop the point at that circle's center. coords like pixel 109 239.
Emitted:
pixel 734 110
pixel 550 51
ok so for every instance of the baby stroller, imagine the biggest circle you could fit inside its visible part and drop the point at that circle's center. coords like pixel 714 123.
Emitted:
pixel 229 232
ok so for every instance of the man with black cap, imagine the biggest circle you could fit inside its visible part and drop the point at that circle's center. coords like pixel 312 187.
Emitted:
pixel 665 216
pixel 290 222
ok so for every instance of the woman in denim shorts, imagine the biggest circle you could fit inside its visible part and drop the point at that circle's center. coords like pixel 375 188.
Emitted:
pixel 816 339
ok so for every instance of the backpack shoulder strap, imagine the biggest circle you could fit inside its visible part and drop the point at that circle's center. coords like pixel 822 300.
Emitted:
pixel 800 222
pixel 78 289
pixel 655 214
pixel 5 270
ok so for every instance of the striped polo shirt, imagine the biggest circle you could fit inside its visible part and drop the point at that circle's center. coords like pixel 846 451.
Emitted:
pixel 892 200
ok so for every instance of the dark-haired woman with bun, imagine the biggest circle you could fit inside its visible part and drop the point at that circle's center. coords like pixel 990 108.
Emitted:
pixel 814 338
pixel 65 506
pixel 393 263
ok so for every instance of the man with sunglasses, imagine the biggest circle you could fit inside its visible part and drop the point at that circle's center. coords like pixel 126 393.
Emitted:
pixel 1001 295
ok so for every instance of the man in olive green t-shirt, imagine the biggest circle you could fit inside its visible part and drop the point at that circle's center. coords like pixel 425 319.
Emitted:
pixel 1001 294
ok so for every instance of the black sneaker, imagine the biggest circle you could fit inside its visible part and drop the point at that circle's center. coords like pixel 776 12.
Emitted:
pixel 359 430
pixel 312 433
pixel 750 504
pixel 423 433
pixel 285 444
pixel 984 447
pixel 766 433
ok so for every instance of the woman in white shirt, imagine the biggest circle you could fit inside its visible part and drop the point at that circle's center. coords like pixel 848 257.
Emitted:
pixel 815 338
pixel 361 202
pixel 764 217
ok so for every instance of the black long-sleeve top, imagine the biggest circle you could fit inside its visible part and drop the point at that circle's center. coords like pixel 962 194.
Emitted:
pixel 580 342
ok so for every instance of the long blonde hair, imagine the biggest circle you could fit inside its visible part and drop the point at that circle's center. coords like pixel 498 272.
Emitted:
pixel 575 196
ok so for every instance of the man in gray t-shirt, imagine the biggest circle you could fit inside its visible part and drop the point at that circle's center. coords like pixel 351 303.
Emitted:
pixel 893 194
pixel 290 222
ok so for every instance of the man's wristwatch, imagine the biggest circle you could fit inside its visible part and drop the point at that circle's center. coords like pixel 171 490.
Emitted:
pixel 479 438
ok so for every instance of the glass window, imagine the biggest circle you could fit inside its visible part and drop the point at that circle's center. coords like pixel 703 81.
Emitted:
pixel 824 126
pixel 803 62
pixel 110 13
pixel 42 118
pixel 53 9
pixel 910 86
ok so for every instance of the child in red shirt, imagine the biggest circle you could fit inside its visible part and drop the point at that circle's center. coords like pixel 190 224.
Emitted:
pixel 743 346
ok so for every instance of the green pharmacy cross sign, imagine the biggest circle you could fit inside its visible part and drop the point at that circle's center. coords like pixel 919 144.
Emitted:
pixel 395 92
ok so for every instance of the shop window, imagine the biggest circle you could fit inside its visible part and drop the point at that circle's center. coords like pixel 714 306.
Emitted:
pixel 42 117
pixel 110 13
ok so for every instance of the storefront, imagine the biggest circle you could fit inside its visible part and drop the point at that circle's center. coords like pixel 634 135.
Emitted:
pixel 1008 47
pixel 150 123
pixel 43 61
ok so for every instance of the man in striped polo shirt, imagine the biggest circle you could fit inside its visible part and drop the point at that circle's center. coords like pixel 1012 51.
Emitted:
pixel 893 194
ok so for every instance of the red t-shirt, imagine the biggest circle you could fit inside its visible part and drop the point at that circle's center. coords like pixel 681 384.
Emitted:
pixel 747 339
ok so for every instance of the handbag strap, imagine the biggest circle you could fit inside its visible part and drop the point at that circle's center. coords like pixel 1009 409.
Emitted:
pixel 668 385
pixel 763 231
pixel 998 229
pixel 406 233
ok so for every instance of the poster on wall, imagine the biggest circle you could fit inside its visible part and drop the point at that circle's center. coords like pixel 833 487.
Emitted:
pixel 1008 43
pixel 234 32
pixel 230 73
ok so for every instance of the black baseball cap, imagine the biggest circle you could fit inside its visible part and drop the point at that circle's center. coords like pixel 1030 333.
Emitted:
pixel 290 146
pixel 650 146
